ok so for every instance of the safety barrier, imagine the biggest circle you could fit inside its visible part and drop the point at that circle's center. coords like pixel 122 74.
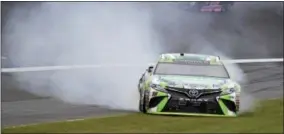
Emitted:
pixel 68 67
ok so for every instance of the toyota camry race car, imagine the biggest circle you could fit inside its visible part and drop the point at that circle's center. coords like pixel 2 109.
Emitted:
pixel 188 84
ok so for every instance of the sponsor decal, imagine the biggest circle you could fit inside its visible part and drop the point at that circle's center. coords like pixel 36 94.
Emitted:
pixel 198 100
pixel 185 101
pixel 195 86
pixel 182 101
pixel 190 61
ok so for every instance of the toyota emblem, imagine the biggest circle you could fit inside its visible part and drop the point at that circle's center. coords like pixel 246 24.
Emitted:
pixel 193 93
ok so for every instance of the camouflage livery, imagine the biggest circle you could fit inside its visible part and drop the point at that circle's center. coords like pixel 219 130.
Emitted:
pixel 166 91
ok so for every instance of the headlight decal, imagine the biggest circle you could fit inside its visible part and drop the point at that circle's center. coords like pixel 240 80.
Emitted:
pixel 157 87
pixel 227 91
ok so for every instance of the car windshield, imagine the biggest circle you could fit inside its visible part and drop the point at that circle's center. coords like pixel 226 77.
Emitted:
pixel 191 69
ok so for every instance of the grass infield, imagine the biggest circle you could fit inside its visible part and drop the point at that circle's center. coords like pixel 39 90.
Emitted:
pixel 267 118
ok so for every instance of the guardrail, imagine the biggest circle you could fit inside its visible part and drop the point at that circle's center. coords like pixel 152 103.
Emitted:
pixel 68 67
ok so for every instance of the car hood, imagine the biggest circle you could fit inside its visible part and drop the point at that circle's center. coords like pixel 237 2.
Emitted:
pixel 192 82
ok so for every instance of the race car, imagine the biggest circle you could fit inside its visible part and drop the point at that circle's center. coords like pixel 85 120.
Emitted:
pixel 188 84
pixel 212 6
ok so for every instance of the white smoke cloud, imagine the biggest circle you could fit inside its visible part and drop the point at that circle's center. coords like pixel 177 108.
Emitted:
pixel 55 33
pixel 83 33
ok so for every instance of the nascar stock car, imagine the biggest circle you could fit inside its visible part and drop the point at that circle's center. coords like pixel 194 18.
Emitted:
pixel 188 84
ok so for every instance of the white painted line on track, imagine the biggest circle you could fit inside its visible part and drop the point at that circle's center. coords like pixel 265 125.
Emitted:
pixel 70 120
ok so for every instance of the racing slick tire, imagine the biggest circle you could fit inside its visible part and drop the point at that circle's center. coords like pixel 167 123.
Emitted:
pixel 142 107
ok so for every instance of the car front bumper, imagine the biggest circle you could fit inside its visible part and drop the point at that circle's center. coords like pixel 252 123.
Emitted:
pixel 178 104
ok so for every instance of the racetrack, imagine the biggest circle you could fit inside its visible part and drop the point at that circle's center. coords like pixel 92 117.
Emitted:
pixel 265 79
pixel 19 107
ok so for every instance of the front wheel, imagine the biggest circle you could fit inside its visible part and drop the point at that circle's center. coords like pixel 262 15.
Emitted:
pixel 142 107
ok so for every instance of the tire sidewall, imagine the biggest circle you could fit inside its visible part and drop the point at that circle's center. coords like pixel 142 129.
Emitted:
pixel 142 100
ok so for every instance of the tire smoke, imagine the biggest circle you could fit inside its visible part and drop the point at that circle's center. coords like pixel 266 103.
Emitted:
pixel 55 33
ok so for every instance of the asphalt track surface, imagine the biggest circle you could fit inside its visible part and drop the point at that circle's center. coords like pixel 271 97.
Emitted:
pixel 20 107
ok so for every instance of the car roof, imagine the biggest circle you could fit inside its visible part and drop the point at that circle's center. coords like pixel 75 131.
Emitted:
pixel 190 57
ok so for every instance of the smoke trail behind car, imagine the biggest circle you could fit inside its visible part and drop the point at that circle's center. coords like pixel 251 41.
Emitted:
pixel 55 33
pixel 74 33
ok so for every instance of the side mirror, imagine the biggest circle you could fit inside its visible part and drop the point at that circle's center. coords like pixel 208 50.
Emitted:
pixel 150 69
